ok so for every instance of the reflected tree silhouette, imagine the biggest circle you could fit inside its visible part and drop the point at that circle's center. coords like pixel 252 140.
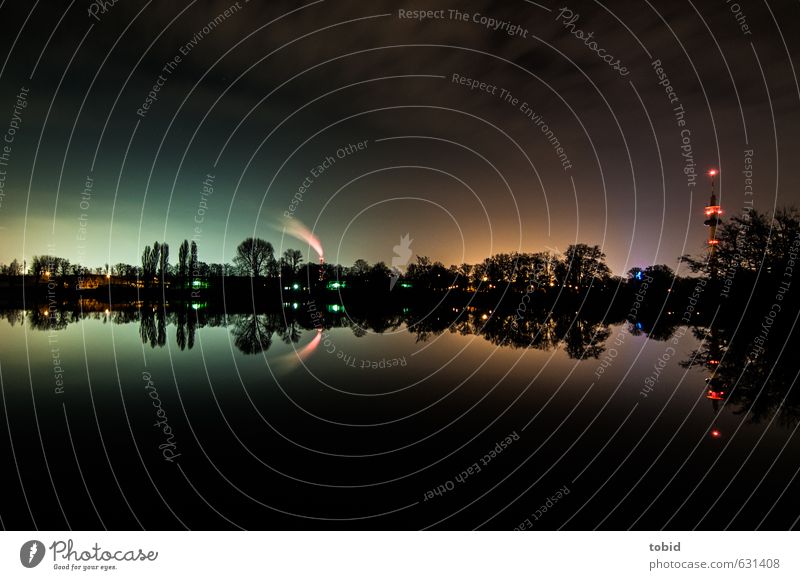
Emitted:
pixel 290 333
pixel 759 383
pixel 191 328
pixel 180 329
pixel 358 330
pixel 252 333
pixel 44 319
pixel 161 326
pixel 586 339
pixel 14 317
pixel 581 338
pixel 147 327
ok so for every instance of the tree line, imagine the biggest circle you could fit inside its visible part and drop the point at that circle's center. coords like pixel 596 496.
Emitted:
pixel 254 257
pixel 749 246
pixel 578 267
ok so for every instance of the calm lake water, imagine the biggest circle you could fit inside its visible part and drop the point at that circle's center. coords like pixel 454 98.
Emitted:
pixel 129 419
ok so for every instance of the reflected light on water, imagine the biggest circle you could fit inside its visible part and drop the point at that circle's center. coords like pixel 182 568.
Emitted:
pixel 291 360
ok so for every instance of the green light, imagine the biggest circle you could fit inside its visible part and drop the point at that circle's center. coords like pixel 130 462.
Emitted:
pixel 405 284
pixel 335 285
pixel 295 305
pixel 295 286
pixel 334 308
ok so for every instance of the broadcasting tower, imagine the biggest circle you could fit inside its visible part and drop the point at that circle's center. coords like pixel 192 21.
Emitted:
pixel 713 211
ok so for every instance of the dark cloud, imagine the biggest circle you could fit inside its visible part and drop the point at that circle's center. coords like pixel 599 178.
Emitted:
pixel 601 118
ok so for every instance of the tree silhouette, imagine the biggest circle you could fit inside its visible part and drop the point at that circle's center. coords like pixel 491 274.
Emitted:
pixel 252 257
pixel 163 261
pixel 147 327
pixel 155 258
pixel 252 333
pixel 183 260
pixel 360 268
pixel 193 265
pixel 290 333
pixel 14 269
pixel 293 258
pixel 750 243
pixel 147 261
pixel 584 264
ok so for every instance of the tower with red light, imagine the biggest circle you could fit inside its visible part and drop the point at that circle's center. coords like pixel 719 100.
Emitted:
pixel 713 211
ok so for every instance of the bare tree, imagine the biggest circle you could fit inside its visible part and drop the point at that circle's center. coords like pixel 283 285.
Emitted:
pixel 253 255
pixel 293 258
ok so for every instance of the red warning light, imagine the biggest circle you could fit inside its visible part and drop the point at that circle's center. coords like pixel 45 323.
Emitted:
pixel 715 433
pixel 712 172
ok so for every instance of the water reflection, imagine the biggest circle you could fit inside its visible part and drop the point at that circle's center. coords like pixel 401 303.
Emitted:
pixel 252 333
pixel 756 382
pixel 748 378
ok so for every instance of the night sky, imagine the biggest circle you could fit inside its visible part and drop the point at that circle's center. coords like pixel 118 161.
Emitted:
pixel 251 102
